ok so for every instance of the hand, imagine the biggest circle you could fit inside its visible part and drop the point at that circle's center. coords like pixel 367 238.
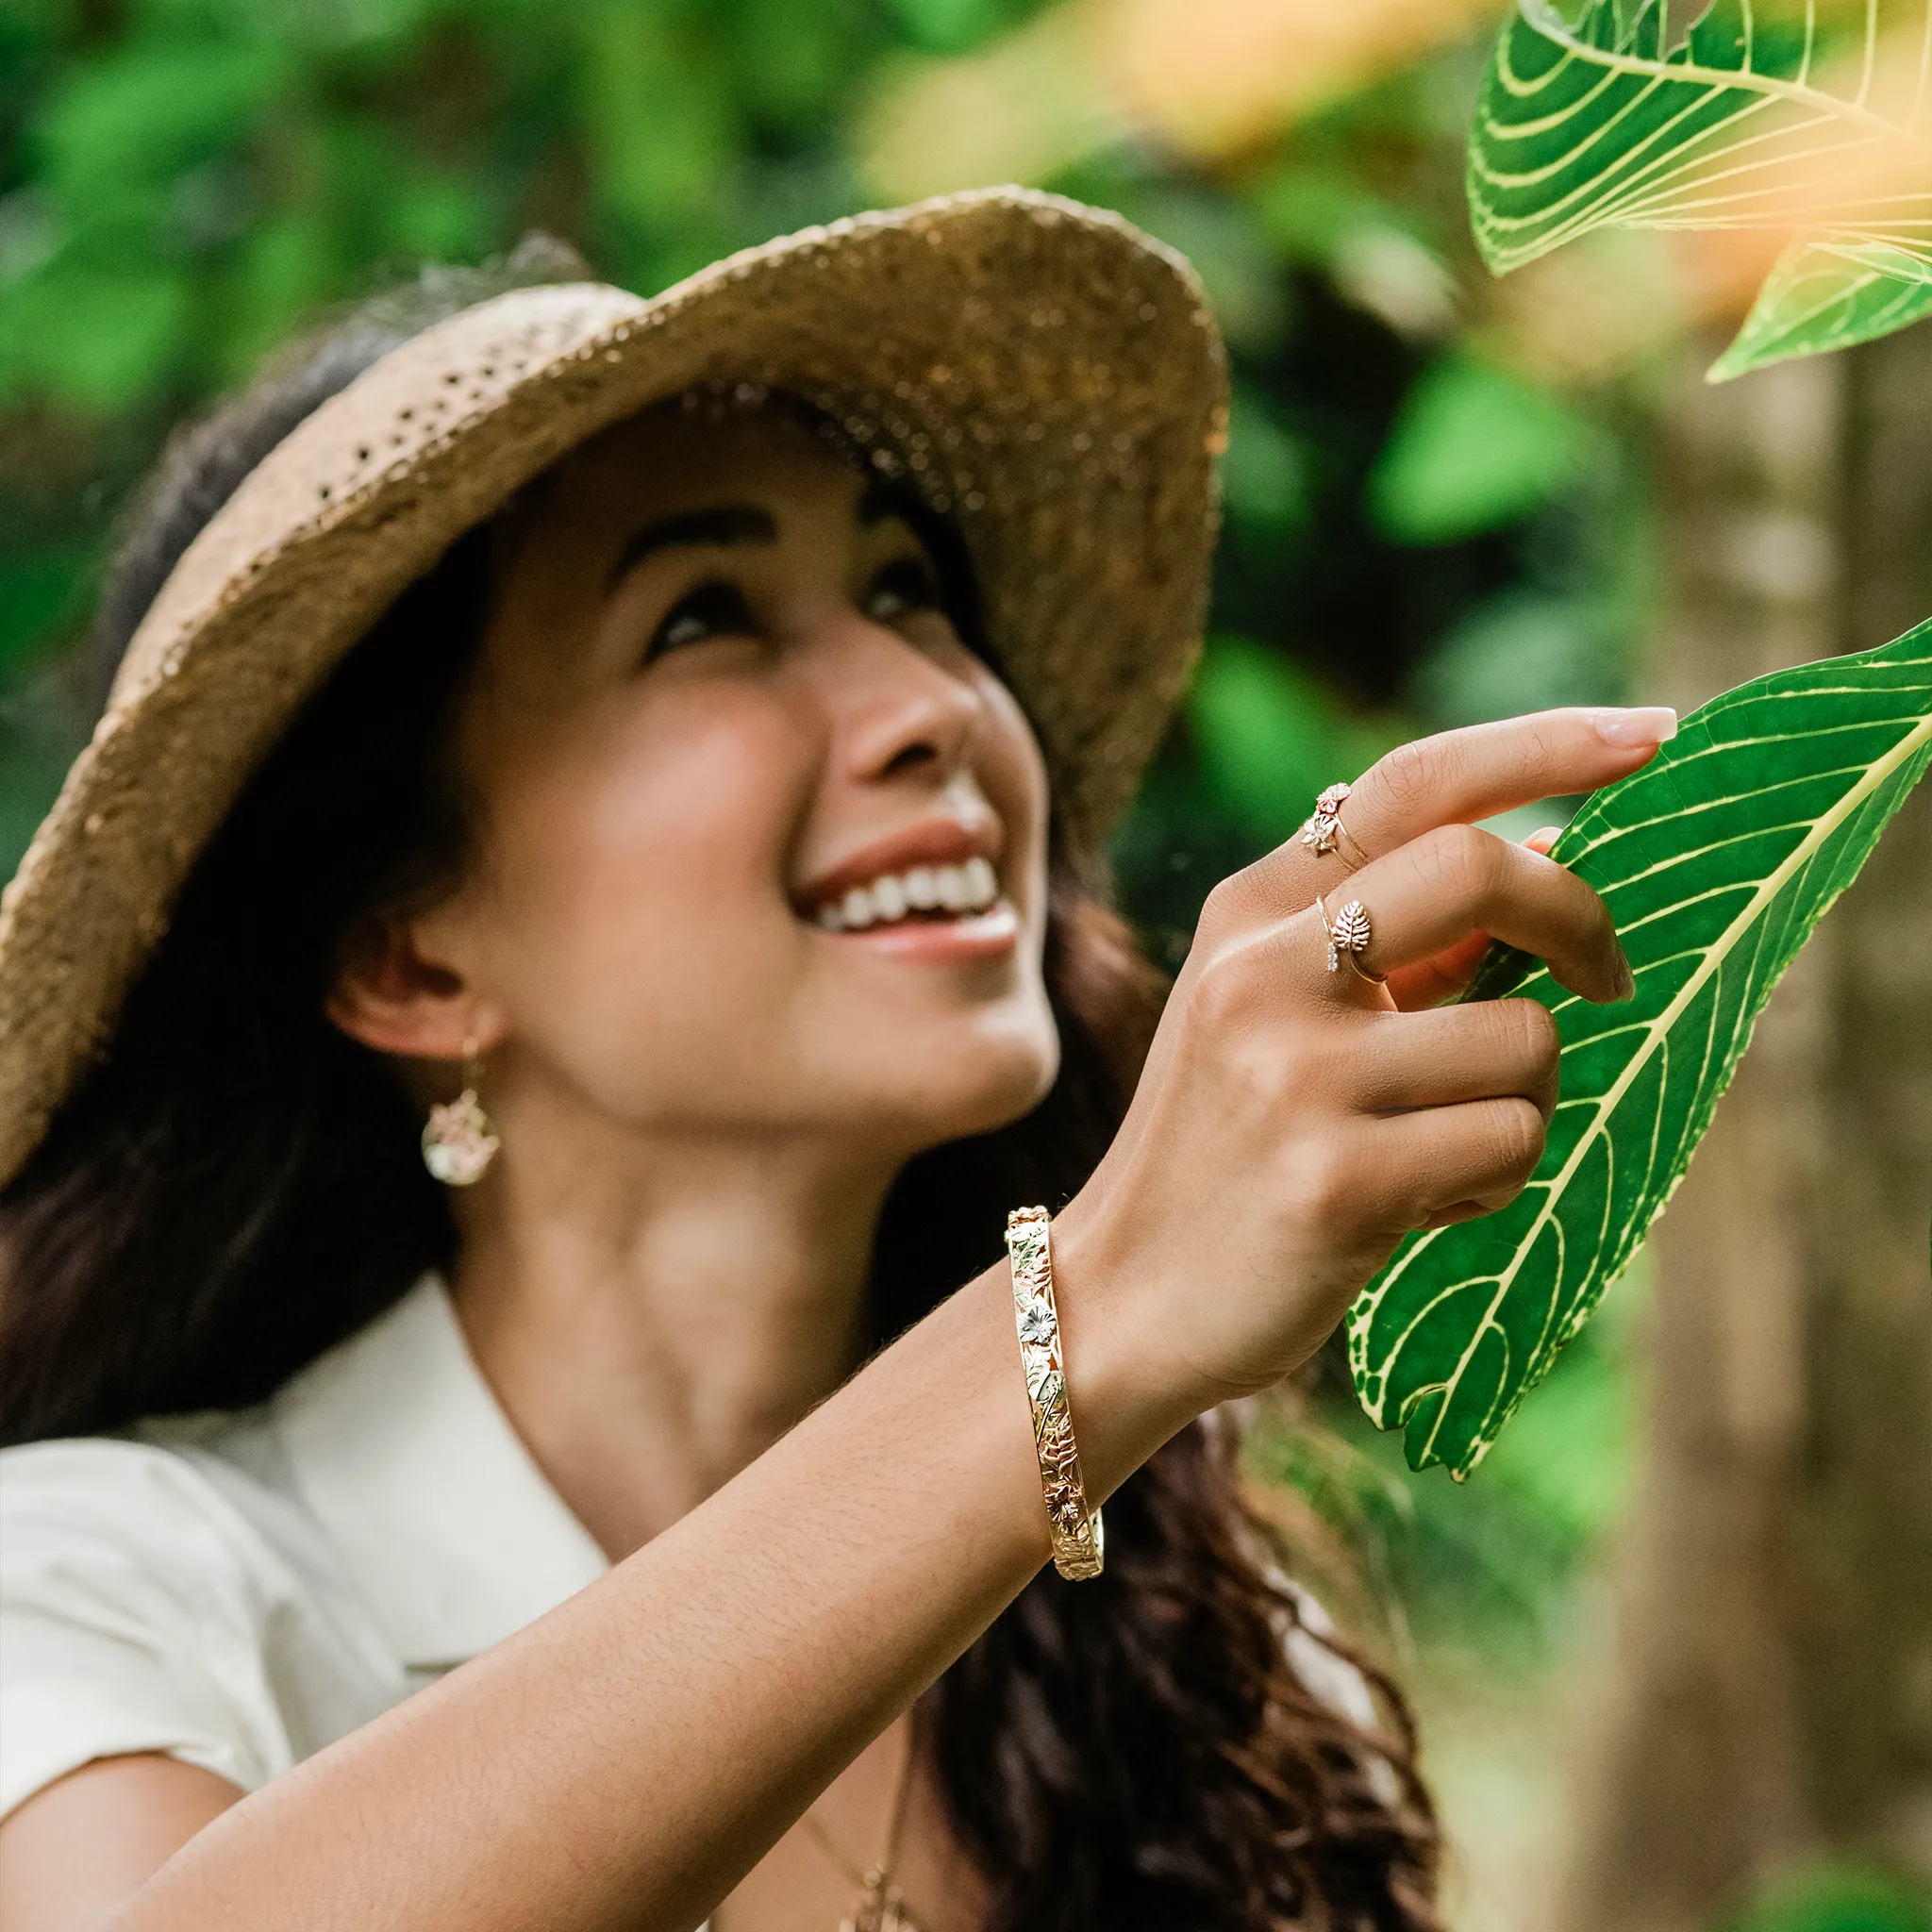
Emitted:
pixel 1293 1123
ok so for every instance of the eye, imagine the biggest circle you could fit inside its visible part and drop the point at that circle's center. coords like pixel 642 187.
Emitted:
pixel 906 584
pixel 713 610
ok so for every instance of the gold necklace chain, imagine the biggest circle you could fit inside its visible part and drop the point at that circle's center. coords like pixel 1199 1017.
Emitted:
pixel 881 1907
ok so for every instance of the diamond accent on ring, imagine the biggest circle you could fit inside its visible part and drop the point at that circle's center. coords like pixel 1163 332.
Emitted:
pixel 1348 932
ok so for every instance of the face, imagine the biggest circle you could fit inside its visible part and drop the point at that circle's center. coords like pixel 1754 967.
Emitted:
pixel 761 844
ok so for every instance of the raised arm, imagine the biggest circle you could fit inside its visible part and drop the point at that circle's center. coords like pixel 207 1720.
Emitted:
pixel 626 1758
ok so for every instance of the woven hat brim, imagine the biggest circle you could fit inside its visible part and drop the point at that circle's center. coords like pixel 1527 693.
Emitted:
pixel 1040 372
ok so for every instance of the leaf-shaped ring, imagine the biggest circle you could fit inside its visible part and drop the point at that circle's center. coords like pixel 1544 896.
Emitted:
pixel 1349 933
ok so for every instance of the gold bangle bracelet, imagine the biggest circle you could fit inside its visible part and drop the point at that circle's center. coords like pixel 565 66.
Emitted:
pixel 1078 1543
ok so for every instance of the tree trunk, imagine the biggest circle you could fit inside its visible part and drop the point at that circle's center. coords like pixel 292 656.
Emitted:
pixel 1768 1690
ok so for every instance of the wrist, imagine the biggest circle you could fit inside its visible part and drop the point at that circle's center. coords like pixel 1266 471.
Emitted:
pixel 1127 1394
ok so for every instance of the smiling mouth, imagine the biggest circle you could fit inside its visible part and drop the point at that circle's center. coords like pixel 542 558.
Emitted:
pixel 926 894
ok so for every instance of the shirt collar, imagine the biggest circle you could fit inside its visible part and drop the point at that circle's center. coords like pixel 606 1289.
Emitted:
pixel 442 1516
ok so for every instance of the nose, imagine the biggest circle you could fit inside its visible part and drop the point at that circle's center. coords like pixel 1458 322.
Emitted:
pixel 897 710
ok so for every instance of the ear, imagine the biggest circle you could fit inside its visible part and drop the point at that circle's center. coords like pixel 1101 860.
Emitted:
pixel 387 995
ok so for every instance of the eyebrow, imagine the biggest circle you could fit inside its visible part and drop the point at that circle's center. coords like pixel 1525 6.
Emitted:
pixel 725 523
pixel 739 522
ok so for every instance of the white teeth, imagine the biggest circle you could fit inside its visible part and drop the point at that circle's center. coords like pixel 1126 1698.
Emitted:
pixel 969 888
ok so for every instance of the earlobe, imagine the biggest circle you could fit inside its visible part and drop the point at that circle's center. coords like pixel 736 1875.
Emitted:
pixel 389 997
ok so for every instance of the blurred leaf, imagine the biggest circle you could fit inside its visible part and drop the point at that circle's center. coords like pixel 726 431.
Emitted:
pixel 791 62
pixel 1368 246
pixel 100 338
pixel 1521 651
pixel 314 27
pixel 658 113
pixel 1270 737
pixel 1229 249
pixel 1309 210
pixel 1749 114
pixel 31 25
pixel 1474 448
pixel 1264 475
pixel 954 27
pixel 1836 1897
pixel 31 234
pixel 36 596
pixel 1824 296
pixel 433 216
pixel 279 276
pixel 1716 860
pixel 143 116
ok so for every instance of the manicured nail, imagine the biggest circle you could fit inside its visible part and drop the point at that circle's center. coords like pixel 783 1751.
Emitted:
pixel 1543 837
pixel 1639 725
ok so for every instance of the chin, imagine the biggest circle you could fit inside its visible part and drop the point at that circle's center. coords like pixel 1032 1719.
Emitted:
pixel 975 1087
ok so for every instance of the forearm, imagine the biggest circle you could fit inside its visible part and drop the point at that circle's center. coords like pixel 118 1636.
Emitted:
pixel 627 1757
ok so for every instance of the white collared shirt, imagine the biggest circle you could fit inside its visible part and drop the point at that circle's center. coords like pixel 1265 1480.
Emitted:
pixel 239 1589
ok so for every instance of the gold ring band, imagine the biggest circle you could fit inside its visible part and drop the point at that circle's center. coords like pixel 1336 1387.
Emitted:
pixel 1348 849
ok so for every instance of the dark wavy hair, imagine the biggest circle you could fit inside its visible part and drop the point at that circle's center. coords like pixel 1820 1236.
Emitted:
pixel 236 1186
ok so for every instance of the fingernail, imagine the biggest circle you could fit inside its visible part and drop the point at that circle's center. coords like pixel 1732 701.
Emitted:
pixel 1543 837
pixel 1638 724
pixel 1627 980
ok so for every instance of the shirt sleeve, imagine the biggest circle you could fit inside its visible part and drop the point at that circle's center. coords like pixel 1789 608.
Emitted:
pixel 132 1601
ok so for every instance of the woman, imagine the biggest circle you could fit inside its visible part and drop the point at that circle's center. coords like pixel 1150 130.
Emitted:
pixel 666 746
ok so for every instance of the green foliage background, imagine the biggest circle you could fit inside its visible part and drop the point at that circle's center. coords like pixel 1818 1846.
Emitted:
pixel 1413 534
pixel 1416 535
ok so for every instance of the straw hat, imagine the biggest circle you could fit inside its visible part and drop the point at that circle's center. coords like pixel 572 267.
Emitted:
pixel 1040 372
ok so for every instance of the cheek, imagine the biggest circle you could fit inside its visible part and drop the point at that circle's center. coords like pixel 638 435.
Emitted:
pixel 1014 774
pixel 644 853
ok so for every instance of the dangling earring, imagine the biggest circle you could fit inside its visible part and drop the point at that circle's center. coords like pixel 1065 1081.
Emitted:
pixel 460 1142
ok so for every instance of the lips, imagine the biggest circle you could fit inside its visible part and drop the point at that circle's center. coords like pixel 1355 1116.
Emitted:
pixel 943 870
pixel 945 891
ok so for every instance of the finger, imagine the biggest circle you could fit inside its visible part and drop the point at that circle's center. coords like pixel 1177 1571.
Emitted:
pixel 1477 1156
pixel 1449 972
pixel 1458 777
pixel 1432 982
pixel 1488 1052
pixel 1437 890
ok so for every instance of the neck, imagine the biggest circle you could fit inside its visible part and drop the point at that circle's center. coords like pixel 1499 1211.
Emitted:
pixel 655 1311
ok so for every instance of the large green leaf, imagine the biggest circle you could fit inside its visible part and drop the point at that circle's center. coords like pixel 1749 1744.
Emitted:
pixel 1812 116
pixel 1827 295
pixel 1716 860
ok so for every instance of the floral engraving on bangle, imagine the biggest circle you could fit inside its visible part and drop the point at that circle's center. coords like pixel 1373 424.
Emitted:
pixel 1077 1541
